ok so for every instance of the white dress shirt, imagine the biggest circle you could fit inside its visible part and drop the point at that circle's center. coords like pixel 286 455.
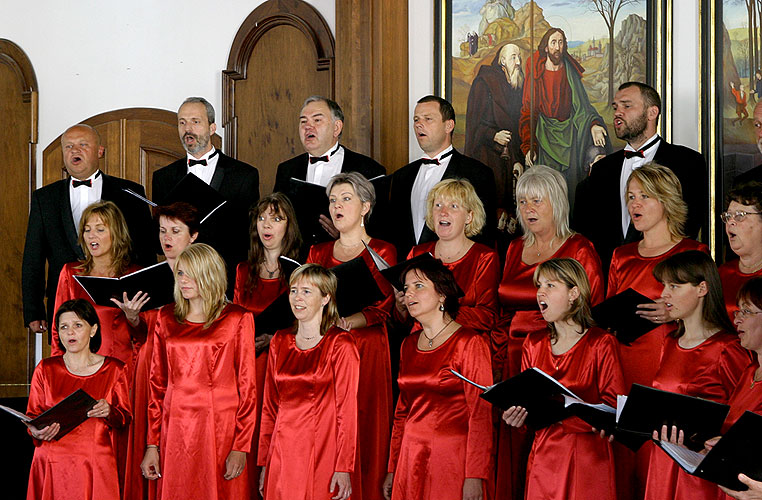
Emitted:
pixel 204 172
pixel 428 176
pixel 321 172
pixel 628 167
pixel 82 196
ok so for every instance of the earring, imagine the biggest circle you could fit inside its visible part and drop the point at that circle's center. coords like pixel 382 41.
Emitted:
pixel 362 221
pixel 441 307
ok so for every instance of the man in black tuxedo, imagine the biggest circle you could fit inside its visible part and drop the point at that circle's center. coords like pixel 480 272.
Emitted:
pixel 434 121
pixel 51 235
pixel 601 211
pixel 321 122
pixel 228 229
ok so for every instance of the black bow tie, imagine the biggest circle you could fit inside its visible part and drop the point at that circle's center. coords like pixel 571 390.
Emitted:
pixel 192 162
pixel 87 182
pixel 434 161
pixel 639 152
pixel 315 159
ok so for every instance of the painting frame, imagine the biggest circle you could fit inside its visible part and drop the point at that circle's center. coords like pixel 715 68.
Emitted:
pixel 657 55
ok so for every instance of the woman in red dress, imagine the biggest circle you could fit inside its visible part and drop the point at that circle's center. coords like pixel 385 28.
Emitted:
pixel 178 228
pixel 656 207
pixel 441 444
pixel 584 359
pixel 260 280
pixel 105 240
pixel 201 411
pixel 703 358
pixel 455 213
pixel 308 438
pixel 543 208
pixel 743 225
pixel 351 199
pixel 82 464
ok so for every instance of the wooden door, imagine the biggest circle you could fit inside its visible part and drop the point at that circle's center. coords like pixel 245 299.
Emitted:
pixel 282 54
pixel 18 114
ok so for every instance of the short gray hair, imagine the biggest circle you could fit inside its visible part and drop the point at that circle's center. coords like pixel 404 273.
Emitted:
pixel 207 105
pixel 363 187
pixel 543 182
pixel 333 106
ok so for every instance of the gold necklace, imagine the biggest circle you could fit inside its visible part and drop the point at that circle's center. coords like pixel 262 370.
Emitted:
pixel 455 255
pixel 431 340
pixel 350 246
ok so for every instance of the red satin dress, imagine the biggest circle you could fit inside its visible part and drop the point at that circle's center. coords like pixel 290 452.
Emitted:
pixel 256 301
pixel 202 403
pixel 309 416
pixel 568 460
pixel 478 274
pixel 732 280
pixel 520 316
pixel 82 464
pixel 711 370
pixel 442 428
pixel 747 396
pixel 137 487
pixel 116 332
pixel 374 396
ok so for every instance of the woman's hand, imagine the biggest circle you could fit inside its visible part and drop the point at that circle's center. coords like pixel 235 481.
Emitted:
pixel 399 303
pixel 100 410
pixel 472 488
pixel 132 307
pixel 675 437
pixel 387 487
pixel 344 323
pixel 515 416
pixel 709 444
pixel 46 433
pixel 262 482
pixel 603 435
pixel 262 343
pixel 341 480
pixel 234 464
pixel 656 312
pixel 150 463
pixel 753 493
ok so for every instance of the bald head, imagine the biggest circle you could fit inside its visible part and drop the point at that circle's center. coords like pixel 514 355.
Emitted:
pixel 81 147
pixel 510 60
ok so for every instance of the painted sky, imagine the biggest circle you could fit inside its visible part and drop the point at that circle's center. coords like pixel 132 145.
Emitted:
pixel 734 14
pixel 575 17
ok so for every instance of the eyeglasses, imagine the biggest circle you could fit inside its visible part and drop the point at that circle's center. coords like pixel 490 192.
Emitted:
pixel 738 216
pixel 745 313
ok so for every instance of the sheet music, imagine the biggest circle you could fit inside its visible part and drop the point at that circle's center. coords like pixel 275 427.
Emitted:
pixel 688 459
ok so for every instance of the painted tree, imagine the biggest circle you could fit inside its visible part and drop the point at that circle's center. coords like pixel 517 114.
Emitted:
pixel 609 10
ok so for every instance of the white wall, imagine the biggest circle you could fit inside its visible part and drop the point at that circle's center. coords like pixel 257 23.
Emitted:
pixel 685 81
pixel 92 56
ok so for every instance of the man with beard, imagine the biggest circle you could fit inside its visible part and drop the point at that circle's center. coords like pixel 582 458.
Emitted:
pixel 755 174
pixel 636 114
pixel 228 229
pixel 492 120
pixel 558 124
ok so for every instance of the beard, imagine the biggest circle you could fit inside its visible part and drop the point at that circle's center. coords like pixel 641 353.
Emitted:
pixel 202 141
pixel 555 57
pixel 759 144
pixel 515 77
pixel 633 130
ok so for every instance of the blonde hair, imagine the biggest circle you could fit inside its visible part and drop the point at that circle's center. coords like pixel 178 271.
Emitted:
pixel 463 193
pixel 661 183
pixel 204 265
pixel 571 273
pixel 325 281
pixel 544 182
pixel 120 236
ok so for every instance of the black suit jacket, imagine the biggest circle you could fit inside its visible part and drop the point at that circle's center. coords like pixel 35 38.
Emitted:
pixel 598 210
pixel 52 237
pixel 227 230
pixel 399 219
pixel 353 162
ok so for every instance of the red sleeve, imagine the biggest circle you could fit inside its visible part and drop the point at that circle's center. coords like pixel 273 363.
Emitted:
pixel 379 312
pixel 37 390
pixel 613 285
pixel 346 377
pixel 589 259
pixel 246 415
pixel 733 362
pixel 270 401
pixel 474 365
pixel 401 412
pixel 157 383
pixel 120 413
pixel 481 316
pixel 241 272
pixel 610 378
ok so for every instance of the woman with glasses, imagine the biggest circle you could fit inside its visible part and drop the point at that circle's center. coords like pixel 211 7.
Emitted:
pixel 743 225
pixel 655 204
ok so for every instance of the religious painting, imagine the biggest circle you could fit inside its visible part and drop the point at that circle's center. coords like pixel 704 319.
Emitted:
pixel 532 81
pixel 733 85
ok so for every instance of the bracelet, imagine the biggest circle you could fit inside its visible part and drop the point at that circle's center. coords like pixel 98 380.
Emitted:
pixel 152 446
